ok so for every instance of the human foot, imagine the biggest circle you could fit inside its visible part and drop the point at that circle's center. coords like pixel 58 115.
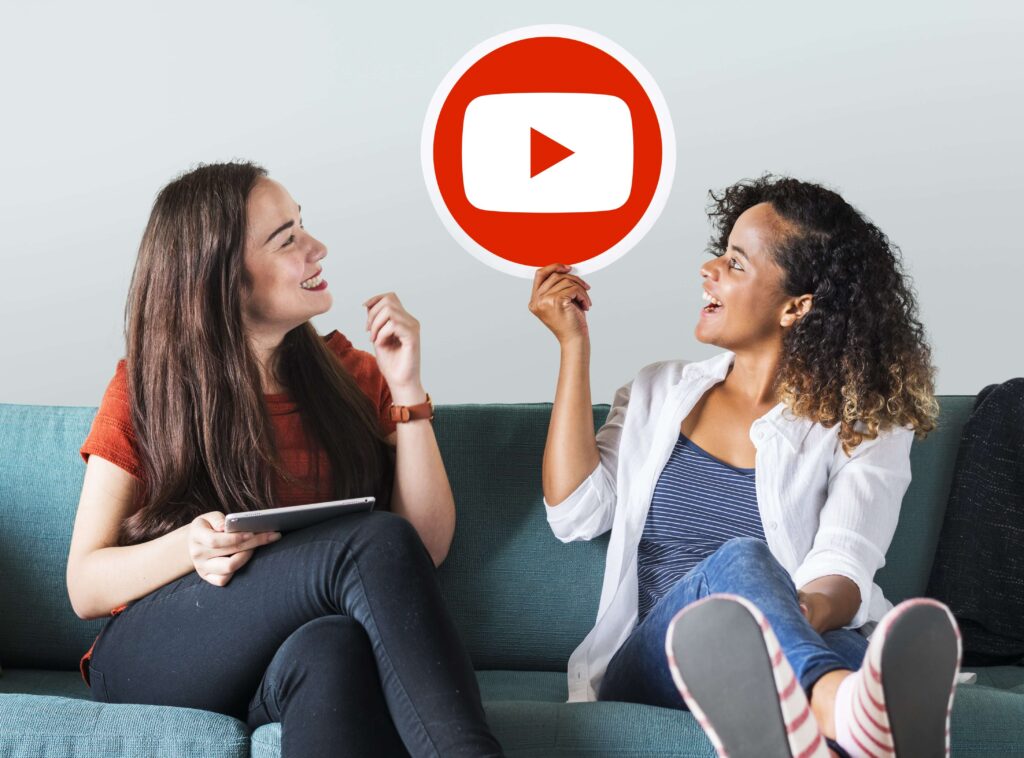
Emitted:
pixel 733 675
pixel 900 700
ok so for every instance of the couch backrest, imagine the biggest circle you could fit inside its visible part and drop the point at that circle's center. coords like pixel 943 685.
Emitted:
pixel 521 598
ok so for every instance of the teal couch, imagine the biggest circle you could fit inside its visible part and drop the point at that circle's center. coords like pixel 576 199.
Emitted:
pixel 522 600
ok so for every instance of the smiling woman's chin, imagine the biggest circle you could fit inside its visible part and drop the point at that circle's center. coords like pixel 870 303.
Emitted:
pixel 703 337
pixel 703 332
pixel 319 302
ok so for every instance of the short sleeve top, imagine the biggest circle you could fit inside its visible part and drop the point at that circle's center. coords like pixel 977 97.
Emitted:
pixel 112 436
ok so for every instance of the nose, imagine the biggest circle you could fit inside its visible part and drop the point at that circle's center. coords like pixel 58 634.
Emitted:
pixel 318 248
pixel 708 271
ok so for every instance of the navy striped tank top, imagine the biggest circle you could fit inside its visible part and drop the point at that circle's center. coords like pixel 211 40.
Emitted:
pixel 699 503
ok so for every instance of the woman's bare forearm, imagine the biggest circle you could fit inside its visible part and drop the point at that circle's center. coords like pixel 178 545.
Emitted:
pixel 421 492
pixel 111 576
pixel 570 454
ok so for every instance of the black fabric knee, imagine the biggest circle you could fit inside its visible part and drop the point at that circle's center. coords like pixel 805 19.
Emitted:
pixel 323 687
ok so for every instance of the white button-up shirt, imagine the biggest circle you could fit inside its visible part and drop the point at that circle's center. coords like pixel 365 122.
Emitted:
pixel 824 512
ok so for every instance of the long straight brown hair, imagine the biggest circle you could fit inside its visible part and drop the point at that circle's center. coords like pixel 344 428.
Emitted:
pixel 203 431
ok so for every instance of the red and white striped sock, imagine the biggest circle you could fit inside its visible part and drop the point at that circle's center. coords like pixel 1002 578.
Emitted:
pixel 805 738
pixel 862 723
pixel 861 715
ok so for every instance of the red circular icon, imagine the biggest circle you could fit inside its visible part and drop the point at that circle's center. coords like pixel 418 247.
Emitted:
pixel 548 144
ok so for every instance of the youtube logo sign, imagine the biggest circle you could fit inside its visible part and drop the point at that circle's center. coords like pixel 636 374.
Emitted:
pixel 548 143
pixel 512 160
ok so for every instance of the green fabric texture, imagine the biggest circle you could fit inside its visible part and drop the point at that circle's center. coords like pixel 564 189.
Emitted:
pixel 525 708
pixel 909 560
pixel 522 601
pixel 40 481
pixel 32 726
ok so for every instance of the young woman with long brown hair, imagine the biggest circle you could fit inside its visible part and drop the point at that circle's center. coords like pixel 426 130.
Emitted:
pixel 751 497
pixel 228 400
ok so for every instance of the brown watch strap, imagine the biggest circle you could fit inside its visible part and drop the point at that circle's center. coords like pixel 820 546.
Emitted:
pixel 402 413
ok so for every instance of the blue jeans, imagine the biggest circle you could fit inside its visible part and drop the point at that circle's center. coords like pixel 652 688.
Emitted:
pixel 744 566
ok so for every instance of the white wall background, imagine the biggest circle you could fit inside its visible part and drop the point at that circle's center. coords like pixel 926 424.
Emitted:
pixel 913 111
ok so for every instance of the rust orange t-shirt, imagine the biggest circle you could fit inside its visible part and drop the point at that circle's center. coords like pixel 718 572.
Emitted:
pixel 113 438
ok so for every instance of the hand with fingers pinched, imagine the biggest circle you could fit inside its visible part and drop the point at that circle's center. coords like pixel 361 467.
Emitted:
pixel 217 554
pixel 560 300
pixel 395 335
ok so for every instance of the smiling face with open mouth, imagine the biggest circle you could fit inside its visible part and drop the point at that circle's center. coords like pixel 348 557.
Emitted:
pixel 283 263
pixel 744 304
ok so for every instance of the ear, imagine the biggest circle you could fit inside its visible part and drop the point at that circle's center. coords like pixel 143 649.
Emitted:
pixel 795 310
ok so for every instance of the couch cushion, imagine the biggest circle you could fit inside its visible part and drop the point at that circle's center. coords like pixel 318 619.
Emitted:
pixel 529 716
pixel 526 709
pixel 51 713
pixel 35 726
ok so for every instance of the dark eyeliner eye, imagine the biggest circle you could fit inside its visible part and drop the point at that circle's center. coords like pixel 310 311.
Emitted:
pixel 290 240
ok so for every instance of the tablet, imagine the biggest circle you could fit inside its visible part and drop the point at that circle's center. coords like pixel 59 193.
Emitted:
pixel 294 516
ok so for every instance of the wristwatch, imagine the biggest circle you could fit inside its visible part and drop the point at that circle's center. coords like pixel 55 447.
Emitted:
pixel 403 413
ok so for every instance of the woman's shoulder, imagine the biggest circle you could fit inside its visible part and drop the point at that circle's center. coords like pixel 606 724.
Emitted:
pixel 337 342
pixel 342 347
pixel 673 371
pixel 116 394
pixel 360 363
pixel 662 370
pixel 652 383
pixel 112 435
pixel 363 368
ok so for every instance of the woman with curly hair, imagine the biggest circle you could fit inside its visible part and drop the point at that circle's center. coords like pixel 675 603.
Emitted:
pixel 751 497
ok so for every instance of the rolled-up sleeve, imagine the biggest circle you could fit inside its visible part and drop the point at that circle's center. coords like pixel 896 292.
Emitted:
pixel 858 520
pixel 588 512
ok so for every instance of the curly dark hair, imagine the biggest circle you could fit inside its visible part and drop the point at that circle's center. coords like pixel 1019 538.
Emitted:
pixel 859 354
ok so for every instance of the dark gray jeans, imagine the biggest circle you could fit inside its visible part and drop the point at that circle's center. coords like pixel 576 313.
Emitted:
pixel 338 631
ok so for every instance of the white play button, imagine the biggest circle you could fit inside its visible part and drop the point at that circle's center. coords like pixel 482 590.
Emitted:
pixel 545 152
pixel 511 163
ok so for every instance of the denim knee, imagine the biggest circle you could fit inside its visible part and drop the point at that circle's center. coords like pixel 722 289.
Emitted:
pixel 748 550
pixel 745 558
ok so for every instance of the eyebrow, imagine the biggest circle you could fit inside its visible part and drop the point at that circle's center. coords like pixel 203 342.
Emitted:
pixel 740 250
pixel 286 225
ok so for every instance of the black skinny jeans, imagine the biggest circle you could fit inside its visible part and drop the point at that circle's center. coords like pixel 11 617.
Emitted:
pixel 338 631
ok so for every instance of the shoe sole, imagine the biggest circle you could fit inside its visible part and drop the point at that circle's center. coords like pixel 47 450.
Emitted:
pixel 920 659
pixel 719 657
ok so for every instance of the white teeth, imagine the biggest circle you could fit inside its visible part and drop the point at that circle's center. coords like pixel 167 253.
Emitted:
pixel 705 296
pixel 314 282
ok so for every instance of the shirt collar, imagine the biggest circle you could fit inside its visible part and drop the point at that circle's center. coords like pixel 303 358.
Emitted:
pixel 792 428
